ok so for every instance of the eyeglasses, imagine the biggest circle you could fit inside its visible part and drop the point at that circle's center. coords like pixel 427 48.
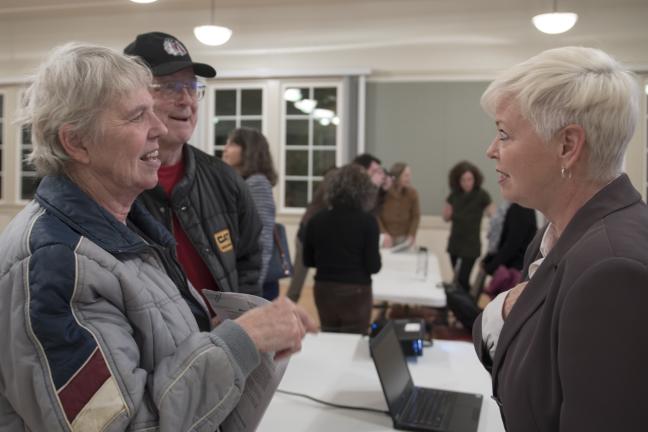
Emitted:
pixel 174 89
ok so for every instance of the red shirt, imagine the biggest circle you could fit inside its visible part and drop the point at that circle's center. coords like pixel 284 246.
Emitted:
pixel 191 262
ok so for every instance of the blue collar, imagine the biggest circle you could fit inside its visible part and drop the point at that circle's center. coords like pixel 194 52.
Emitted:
pixel 61 197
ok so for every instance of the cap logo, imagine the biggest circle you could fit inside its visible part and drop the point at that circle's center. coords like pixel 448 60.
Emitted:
pixel 174 48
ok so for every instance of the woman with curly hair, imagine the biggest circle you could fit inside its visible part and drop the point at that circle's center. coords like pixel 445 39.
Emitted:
pixel 465 207
pixel 248 152
pixel 341 242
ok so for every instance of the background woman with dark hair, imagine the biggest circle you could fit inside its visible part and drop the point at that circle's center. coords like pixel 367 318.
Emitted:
pixel 248 152
pixel 341 242
pixel 400 213
pixel 300 271
pixel 465 207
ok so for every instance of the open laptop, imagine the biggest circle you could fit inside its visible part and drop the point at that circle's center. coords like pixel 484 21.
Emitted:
pixel 419 408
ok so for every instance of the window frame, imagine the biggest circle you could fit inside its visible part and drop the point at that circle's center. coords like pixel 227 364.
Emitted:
pixel 311 84
pixel 210 146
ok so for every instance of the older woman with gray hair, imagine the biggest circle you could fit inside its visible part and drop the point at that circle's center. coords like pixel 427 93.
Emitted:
pixel 96 336
pixel 565 347
pixel 341 242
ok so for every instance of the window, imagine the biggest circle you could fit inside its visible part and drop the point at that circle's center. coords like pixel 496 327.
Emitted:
pixel 28 179
pixel 2 118
pixel 311 139
pixel 306 122
pixel 235 107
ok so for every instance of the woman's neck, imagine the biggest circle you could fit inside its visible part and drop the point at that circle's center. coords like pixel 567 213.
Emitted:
pixel 564 206
pixel 117 204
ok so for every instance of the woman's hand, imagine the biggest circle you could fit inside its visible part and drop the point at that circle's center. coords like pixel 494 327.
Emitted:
pixel 277 327
pixel 447 212
pixel 388 241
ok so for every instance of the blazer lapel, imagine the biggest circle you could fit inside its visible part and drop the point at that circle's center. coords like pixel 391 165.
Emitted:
pixel 616 195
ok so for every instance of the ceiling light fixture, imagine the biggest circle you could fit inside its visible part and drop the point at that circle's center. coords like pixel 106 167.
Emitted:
pixel 212 35
pixel 292 95
pixel 306 105
pixel 143 1
pixel 323 113
pixel 555 22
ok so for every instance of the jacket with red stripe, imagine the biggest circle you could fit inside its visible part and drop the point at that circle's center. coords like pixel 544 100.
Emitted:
pixel 96 337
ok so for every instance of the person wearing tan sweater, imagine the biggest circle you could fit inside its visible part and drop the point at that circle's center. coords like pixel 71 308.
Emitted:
pixel 400 213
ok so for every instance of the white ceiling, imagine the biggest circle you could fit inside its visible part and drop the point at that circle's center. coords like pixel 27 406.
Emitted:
pixel 396 38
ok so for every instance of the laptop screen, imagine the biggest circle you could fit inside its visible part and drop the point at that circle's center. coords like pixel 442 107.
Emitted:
pixel 391 366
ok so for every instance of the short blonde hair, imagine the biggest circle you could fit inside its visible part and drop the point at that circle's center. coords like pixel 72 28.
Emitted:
pixel 575 85
pixel 74 85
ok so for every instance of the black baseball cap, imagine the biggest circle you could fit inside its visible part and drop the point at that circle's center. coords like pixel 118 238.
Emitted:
pixel 166 55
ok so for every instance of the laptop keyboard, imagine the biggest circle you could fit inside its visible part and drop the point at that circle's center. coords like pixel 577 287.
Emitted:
pixel 428 407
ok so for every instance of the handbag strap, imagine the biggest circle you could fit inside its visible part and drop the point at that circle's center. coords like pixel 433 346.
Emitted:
pixel 282 253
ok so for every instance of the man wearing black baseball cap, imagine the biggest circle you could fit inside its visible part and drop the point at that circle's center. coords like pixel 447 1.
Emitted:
pixel 200 199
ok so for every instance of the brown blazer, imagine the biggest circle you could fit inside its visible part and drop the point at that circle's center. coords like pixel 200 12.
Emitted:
pixel 573 353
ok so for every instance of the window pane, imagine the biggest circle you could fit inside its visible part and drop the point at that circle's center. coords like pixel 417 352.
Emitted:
pixel 1 125
pixel 297 132
pixel 295 95
pixel 326 98
pixel 26 135
pixel 254 124
pixel 322 161
pixel 324 135
pixel 29 185
pixel 221 130
pixel 225 102
pixel 296 193
pixel 297 162
pixel 1 105
pixel 251 102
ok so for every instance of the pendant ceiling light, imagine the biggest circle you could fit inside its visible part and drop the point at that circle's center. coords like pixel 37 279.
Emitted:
pixel 555 22
pixel 212 35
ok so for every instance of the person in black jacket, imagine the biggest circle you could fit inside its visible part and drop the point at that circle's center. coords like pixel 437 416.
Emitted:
pixel 518 230
pixel 341 242
pixel 201 200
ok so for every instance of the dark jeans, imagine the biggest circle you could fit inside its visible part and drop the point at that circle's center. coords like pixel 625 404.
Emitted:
pixel 271 290
pixel 463 274
pixel 343 307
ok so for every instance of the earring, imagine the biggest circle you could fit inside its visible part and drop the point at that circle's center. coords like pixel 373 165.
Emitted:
pixel 565 173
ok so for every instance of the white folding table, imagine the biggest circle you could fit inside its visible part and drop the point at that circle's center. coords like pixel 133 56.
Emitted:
pixel 336 367
pixel 405 278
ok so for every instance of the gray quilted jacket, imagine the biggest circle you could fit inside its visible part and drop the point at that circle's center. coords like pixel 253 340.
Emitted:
pixel 95 336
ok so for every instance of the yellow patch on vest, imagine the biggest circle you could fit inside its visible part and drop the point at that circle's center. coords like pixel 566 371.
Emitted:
pixel 223 240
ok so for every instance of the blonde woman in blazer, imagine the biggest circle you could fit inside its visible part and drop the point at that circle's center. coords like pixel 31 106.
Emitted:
pixel 567 348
